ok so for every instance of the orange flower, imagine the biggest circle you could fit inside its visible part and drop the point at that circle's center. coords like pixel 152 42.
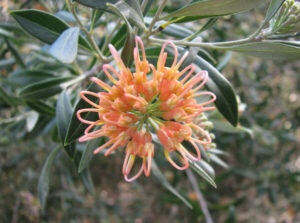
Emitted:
pixel 152 101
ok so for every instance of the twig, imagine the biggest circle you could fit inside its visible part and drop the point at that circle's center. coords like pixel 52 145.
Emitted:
pixel 200 197
pixel 90 38
pixel 156 16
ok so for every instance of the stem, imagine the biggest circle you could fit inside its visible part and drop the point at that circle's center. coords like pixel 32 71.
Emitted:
pixel 156 17
pixel 209 45
pixel 144 4
pixel 84 76
pixel 200 197
pixel 71 7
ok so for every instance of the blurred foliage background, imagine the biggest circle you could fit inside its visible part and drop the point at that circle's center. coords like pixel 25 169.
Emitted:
pixel 258 183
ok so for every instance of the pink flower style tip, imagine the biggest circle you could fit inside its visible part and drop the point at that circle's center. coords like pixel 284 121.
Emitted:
pixel 151 101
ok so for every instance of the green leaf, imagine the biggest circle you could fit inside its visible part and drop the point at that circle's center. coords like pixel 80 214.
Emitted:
pixel 65 46
pixel 161 178
pixel 43 25
pixel 207 168
pixel 76 127
pixel 201 171
pixel 152 54
pixel 127 52
pixel 218 161
pixel 275 50
pixel 26 77
pixel 15 53
pixel 88 152
pixel 6 63
pixel 177 31
pixel 101 5
pixel 226 101
pixel 129 9
pixel 273 8
pixel 11 101
pixel 31 120
pixel 211 8
pixel 63 118
pixel 118 40
pixel 44 179
pixel 5 33
pixel 87 181
pixel 41 107
pixel 43 89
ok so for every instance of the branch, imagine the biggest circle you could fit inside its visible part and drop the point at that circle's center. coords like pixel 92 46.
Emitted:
pixel 200 197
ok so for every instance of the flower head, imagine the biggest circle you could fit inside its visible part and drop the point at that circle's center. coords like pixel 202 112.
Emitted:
pixel 150 103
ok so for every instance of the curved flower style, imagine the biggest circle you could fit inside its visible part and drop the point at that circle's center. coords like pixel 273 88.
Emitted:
pixel 159 101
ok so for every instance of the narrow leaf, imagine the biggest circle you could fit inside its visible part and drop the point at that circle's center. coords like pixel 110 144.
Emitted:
pixel 226 101
pixel 211 8
pixel 43 25
pixel 41 107
pixel 87 181
pixel 26 77
pixel 88 152
pixel 161 178
pixel 76 127
pixel 273 8
pixel 44 179
pixel 276 50
pixel 198 169
pixel 43 89
pixel 66 45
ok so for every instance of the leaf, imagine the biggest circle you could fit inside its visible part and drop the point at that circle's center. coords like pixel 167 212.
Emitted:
pixel 129 9
pixel 88 152
pixel 65 46
pixel 152 54
pixel 218 161
pixel 44 179
pixel 211 8
pixel 11 101
pixel 87 181
pixel 7 63
pixel 43 89
pixel 15 53
pixel 118 40
pixel 224 126
pixel 63 118
pixel 26 77
pixel 101 5
pixel 43 25
pixel 207 168
pixel 41 107
pixel 31 120
pixel 127 52
pixel 161 178
pixel 199 170
pixel 177 31
pixel 273 8
pixel 76 127
pixel 275 50
pixel 226 101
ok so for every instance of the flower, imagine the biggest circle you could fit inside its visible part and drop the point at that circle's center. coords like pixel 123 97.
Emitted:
pixel 153 104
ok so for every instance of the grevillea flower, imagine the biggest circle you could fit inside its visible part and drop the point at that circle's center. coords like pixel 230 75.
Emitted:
pixel 152 104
